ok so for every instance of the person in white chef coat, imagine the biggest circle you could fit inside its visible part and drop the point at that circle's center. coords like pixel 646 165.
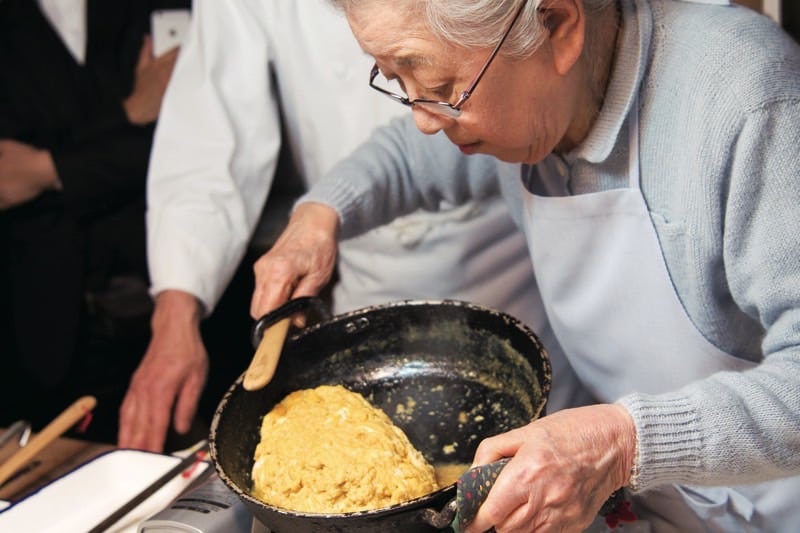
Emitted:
pixel 244 65
pixel 648 149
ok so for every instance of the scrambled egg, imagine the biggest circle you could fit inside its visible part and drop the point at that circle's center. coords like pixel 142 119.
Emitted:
pixel 328 450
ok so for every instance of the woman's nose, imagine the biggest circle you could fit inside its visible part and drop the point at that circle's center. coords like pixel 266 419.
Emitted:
pixel 430 123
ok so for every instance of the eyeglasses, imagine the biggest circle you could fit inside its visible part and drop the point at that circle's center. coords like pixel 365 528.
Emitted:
pixel 445 108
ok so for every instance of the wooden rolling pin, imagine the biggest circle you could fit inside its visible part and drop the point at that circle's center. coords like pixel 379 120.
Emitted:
pixel 68 418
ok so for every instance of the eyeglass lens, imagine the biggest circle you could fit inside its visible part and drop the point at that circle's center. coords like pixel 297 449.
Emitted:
pixel 394 87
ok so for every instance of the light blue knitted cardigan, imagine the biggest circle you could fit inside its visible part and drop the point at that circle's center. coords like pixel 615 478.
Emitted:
pixel 719 93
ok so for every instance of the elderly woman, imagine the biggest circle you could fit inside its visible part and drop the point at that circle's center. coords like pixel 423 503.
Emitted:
pixel 648 148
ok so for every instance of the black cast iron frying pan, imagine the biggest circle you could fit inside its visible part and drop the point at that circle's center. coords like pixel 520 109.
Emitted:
pixel 461 373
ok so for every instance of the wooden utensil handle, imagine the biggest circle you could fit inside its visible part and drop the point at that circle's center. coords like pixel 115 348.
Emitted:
pixel 68 418
pixel 265 360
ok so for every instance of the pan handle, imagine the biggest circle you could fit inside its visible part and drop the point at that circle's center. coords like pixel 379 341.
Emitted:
pixel 440 519
pixel 285 311
pixel 473 488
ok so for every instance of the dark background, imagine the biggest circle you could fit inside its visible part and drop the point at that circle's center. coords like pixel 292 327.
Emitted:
pixel 790 15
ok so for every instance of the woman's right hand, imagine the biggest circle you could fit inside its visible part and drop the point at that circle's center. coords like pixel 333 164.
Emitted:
pixel 563 467
pixel 300 263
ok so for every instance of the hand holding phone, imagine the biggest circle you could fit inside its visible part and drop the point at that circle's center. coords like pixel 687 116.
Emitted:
pixel 168 28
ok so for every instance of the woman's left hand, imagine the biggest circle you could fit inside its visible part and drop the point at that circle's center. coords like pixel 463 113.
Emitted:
pixel 563 467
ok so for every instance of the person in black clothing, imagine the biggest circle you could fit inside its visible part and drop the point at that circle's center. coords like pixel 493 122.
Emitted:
pixel 75 138
pixel 790 15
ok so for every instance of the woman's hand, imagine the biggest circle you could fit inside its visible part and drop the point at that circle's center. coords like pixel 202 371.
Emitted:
pixel 300 263
pixel 563 468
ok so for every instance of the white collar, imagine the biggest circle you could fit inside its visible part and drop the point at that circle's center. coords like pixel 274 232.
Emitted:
pixel 623 85
pixel 68 18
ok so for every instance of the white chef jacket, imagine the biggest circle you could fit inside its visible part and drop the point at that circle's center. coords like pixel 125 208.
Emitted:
pixel 216 149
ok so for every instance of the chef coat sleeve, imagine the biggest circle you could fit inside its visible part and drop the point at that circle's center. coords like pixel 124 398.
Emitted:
pixel 215 152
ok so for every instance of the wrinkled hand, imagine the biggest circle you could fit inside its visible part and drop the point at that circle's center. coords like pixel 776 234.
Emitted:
pixel 563 468
pixel 300 263
pixel 151 79
pixel 25 173
pixel 170 378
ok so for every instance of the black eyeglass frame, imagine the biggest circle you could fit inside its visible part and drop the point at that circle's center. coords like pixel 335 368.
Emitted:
pixel 446 108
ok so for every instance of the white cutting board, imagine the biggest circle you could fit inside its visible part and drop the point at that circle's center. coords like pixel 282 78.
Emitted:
pixel 82 498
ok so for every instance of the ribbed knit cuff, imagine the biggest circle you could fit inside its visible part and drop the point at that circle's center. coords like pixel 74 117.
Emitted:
pixel 668 439
pixel 341 197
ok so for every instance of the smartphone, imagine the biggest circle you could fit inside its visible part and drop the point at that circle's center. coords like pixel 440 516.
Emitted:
pixel 168 28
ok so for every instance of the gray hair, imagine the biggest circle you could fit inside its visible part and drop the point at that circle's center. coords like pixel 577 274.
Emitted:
pixel 481 23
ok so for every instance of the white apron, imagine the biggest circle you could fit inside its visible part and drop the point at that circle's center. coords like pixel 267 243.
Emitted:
pixel 612 305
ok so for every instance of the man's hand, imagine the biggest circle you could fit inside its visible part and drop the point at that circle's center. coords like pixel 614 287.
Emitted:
pixel 25 173
pixel 170 378
pixel 300 263
pixel 152 76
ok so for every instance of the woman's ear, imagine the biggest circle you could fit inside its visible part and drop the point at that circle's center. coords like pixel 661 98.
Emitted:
pixel 565 21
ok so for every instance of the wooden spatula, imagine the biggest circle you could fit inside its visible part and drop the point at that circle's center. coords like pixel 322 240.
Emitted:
pixel 269 344
pixel 265 360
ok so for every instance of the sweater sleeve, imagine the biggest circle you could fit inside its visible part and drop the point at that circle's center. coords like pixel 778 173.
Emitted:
pixel 397 171
pixel 742 427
